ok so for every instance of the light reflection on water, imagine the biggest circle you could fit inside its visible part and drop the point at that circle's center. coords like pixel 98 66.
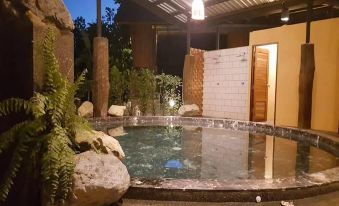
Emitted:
pixel 209 153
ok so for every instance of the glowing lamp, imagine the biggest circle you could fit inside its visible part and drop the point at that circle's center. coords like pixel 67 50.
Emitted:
pixel 198 10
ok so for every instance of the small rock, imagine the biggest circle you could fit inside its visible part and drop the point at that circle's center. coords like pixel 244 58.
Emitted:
pixel 189 110
pixel 117 132
pixel 116 111
pixel 86 109
pixel 99 141
pixel 99 180
pixel 283 203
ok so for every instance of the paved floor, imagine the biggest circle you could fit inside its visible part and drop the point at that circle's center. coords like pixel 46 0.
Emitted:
pixel 331 199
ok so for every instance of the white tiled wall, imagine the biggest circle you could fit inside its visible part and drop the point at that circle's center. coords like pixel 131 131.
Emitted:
pixel 226 83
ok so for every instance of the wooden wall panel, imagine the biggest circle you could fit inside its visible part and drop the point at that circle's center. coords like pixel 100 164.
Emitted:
pixel 143 45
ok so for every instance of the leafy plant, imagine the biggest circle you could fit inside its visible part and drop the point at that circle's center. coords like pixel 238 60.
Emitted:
pixel 168 88
pixel 117 86
pixel 47 135
pixel 147 90
pixel 141 88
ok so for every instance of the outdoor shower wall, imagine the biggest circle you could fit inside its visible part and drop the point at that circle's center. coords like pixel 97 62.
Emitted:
pixel 325 36
pixel 226 83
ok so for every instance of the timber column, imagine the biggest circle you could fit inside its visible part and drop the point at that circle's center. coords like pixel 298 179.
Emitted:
pixel 100 76
pixel 100 70
pixel 307 68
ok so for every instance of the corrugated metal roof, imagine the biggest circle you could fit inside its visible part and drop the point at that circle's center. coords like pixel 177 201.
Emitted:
pixel 181 8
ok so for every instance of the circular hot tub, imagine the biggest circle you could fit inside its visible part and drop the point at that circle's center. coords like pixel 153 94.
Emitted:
pixel 218 160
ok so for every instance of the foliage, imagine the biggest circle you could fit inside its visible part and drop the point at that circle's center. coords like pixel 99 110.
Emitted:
pixel 47 135
pixel 117 87
pixel 141 89
pixel 120 52
pixel 168 88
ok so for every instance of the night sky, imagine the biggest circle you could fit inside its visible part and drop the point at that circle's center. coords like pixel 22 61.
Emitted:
pixel 87 8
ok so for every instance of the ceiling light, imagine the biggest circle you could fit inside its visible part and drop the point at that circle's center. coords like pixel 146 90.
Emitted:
pixel 198 10
pixel 285 14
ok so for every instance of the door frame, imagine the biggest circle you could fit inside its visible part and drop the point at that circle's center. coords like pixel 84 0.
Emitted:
pixel 252 79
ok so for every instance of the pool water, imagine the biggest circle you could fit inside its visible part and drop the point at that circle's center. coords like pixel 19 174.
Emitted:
pixel 210 153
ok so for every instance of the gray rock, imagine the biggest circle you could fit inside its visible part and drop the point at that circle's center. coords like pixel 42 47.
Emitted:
pixel 99 180
pixel 189 110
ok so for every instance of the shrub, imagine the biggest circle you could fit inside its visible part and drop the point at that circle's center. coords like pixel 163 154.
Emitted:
pixel 117 86
pixel 169 90
pixel 141 88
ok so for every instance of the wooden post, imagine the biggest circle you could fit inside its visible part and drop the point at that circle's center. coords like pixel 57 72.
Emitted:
pixel 309 19
pixel 100 75
pixel 218 38
pixel 188 37
pixel 307 68
pixel 99 24
pixel 306 76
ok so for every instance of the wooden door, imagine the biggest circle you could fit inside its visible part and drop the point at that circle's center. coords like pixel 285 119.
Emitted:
pixel 260 85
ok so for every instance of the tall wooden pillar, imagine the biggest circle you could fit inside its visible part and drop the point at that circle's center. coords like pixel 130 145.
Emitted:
pixel 100 70
pixel 307 68
pixel 100 75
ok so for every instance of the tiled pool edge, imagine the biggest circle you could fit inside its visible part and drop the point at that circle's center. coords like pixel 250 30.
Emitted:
pixel 237 191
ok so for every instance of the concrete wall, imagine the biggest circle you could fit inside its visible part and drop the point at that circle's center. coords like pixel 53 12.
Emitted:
pixel 225 83
pixel 325 36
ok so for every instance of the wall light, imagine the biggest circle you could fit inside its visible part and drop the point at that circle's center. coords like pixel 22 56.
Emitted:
pixel 171 103
pixel 198 10
pixel 285 14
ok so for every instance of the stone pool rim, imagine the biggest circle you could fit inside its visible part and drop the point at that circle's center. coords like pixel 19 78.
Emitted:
pixel 232 190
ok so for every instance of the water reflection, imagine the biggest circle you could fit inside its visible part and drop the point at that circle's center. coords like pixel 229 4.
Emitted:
pixel 209 153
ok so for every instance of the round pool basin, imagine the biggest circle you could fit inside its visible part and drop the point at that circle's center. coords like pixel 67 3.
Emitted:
pixel 161 187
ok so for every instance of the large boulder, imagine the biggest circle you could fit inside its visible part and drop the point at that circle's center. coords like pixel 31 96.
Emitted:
pixel 117 111
pixel 98 141
pixel 189 110
pixel 99 180
pixel 86 109
pixel 48 11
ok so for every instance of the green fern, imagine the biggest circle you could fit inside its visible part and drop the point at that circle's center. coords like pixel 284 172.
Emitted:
pixel 48 132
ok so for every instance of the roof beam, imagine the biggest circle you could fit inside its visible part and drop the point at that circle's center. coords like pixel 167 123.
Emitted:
pixel 214 2
pixel 256 11
pixel 159 12
pixel 178 8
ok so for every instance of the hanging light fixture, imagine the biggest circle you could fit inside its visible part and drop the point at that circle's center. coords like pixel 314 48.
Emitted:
pixel 198 10
pixel 285 14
